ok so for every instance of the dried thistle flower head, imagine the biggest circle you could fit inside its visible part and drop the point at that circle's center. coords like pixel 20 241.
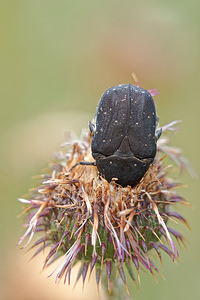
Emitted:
pixel 83 218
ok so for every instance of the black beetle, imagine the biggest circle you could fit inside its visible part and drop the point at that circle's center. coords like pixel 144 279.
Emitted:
pixel 124 134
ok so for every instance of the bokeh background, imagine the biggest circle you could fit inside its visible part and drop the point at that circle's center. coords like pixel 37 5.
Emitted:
pixel 56 59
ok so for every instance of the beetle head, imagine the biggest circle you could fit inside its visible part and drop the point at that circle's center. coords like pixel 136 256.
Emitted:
pixel 128 170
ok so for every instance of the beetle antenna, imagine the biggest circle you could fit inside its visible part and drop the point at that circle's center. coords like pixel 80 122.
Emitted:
pixel 83 163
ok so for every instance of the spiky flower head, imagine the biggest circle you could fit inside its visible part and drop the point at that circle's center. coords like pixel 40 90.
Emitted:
pixel 80 217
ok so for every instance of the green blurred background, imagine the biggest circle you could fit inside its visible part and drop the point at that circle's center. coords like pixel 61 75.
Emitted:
pixel 56 59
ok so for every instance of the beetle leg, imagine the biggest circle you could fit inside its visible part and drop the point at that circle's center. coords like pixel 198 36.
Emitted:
pixel 92 128
pixel 136 79
pixel 147 160
pixel 85 163
pixel 158 133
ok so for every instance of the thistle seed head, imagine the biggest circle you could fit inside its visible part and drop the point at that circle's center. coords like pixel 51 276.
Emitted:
pixel 83 218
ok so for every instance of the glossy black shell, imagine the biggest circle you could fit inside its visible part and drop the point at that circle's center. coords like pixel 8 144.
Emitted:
pixel 123 136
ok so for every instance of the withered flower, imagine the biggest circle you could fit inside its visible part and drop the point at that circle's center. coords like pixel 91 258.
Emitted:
pixel 105 227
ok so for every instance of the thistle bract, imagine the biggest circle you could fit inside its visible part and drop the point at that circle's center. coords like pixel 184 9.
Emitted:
pixel 83 218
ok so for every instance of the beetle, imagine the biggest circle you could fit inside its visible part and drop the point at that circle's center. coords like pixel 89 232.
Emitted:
pixel 124 136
